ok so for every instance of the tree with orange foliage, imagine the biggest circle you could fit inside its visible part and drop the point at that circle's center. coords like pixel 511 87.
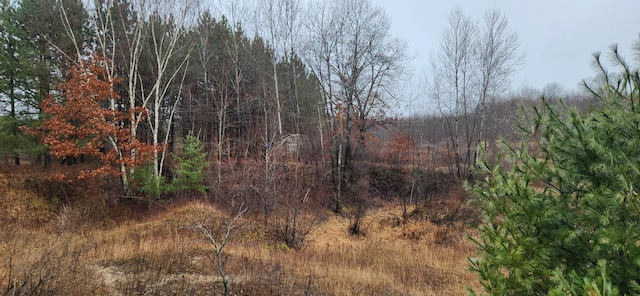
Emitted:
pixel 87 120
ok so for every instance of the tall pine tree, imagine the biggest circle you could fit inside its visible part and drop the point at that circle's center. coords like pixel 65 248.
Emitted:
pixel 16 83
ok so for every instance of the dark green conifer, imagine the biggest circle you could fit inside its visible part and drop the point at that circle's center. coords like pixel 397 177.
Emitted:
pixel 191 167
pixel 564 218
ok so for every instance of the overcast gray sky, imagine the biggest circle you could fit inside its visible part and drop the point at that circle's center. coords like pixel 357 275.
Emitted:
pixel 558 36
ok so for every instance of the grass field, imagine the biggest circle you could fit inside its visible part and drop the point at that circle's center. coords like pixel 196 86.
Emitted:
pixel 47 250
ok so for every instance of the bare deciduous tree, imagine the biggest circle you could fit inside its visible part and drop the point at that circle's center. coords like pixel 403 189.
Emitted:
pixel 355 60
pixel 471 70
pixel 498 59
pixel 212 97
pixel 154 28
pixel 279 21
pixel 167 21
pixel 270 14
pixel 236 12
pixel 292 23
pixel 452 80
pixel 227 230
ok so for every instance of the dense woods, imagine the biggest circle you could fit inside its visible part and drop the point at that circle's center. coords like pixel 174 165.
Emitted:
pixel 261 85
pixel 284 113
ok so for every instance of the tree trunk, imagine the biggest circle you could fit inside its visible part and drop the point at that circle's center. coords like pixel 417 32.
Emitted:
pixel 275 82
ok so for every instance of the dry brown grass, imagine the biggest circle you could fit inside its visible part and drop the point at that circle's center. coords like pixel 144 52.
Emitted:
pixel 162 256
pixel 392 259
pixel 33 263
pixel 21 207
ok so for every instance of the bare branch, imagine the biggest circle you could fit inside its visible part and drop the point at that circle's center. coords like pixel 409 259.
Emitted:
pixel 219 243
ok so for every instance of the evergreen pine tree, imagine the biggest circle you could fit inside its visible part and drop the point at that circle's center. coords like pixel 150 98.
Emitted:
pixel 17 97
pixel 565 217
pixel 191 167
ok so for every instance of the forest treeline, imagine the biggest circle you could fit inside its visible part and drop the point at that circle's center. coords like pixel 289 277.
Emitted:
pixel 179 67
pixel 190 71
pixel 258 83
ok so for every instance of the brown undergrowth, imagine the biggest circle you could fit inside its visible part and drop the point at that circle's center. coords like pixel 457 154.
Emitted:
pixel 162 255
